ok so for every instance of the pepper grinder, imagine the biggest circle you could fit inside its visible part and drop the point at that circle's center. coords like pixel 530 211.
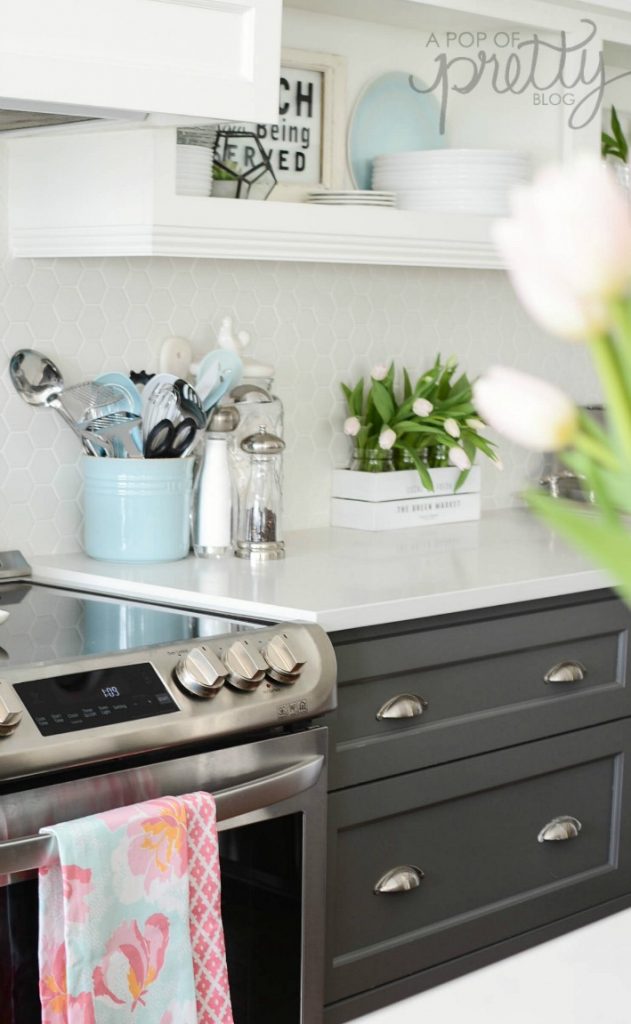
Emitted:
pixel 259 532
pixel 213 494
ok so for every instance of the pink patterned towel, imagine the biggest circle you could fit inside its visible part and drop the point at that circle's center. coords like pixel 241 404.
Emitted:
pixel 206 927
pixel 130 918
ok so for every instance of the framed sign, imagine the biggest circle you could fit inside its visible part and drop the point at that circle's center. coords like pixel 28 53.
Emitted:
pixel 306 148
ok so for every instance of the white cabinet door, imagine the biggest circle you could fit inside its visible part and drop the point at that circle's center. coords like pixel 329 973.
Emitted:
pixel 200 58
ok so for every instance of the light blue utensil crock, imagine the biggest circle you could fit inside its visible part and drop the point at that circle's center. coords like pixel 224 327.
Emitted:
pixel 137 510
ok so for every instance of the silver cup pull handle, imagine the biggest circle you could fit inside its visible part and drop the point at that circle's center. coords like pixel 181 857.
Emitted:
pixel 403 878
pixel 565 672
pixel 404 705
pixel 561 828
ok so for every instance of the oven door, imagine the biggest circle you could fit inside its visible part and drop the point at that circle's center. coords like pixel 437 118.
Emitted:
pixel 271 811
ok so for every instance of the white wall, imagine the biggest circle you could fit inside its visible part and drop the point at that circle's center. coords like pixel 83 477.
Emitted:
pixel 318 324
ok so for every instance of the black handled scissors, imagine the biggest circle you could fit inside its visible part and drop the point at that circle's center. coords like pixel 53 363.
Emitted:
pixel 167 441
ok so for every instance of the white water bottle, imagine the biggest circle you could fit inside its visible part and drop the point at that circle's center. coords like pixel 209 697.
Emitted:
pixel 213 494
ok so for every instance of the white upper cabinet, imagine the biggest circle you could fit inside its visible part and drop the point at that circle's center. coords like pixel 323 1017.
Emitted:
pixel 182 58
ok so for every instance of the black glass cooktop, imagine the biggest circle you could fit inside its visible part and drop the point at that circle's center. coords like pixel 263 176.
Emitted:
pixel 47 624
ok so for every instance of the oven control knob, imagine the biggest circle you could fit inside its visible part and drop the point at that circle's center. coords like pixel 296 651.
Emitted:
pixel 200 672
pixel 246 665
pixel 9 720
pixel 284 659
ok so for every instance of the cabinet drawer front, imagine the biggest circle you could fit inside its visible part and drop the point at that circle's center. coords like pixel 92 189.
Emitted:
pixel 483 686
pixel 471 829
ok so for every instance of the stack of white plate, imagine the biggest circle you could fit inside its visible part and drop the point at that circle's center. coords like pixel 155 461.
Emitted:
pixel 194 170
pixel 352 197
pixel 463 180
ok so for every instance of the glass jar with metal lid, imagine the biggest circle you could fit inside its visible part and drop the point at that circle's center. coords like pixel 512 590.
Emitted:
pixel 259 528
pixel 257 407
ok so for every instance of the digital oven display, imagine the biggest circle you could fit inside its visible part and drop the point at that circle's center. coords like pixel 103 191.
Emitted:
pixel 84 700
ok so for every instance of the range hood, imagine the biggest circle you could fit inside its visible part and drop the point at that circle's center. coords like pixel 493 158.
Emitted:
pixel 15 118
pixel 18 120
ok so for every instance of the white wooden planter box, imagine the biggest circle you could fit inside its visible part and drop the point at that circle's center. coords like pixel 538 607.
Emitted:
pixel 391 501
pixel 405 483
pixel 393 515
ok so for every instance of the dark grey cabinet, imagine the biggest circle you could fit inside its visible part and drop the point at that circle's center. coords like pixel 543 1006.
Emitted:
pixel 457 798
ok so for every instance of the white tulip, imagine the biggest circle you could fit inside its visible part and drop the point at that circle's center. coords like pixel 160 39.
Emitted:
pixel 422 407
pixel 387 438
pixel 352 426
pixel 452 427
pixel 527 410
pixel 568 247
pixel 379 372
pixel 475 423
pixel 459 458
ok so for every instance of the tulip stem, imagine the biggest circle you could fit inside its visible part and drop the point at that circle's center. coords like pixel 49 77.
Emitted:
pixel 621 310
pixel 595 450
pixel 613 381
pixel 621 316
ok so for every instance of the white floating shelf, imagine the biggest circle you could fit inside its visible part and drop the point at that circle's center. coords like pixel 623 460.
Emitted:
pixel 230 229
pixel 113 194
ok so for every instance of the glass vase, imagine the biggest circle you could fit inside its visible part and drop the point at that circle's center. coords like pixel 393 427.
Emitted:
pixel 435 455
pixel 372 460
pixel 402 459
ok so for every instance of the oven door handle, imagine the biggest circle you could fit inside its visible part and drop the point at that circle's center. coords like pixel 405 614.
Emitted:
pixel 31 852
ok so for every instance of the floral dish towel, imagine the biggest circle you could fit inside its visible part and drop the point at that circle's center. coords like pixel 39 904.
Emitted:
pixel 130 928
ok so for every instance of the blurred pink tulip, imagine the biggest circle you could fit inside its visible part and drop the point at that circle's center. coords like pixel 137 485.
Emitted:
pixel 525 409
pixel 567 246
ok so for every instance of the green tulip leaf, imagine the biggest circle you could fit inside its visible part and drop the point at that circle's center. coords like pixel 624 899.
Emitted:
pixel 618 134
pixel 357 398
pixel 592 534
pixel 412 427
pixel 461 479
pixel 422 469
pixel 348 395
pixel 481 443
pixel 383 401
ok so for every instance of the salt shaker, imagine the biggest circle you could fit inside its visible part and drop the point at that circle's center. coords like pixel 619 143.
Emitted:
pixel 212 497
pixel 259 529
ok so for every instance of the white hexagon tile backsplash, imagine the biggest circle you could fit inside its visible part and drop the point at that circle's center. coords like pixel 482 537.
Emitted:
pixel 317 323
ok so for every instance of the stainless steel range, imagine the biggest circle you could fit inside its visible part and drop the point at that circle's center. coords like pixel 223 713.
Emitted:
pixel 104 703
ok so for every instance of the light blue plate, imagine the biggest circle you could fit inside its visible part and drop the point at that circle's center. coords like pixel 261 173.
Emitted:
pixel 390 117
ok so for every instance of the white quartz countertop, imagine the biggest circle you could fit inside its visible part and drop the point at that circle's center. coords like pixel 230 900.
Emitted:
pixel 343 579
pixel 579 978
